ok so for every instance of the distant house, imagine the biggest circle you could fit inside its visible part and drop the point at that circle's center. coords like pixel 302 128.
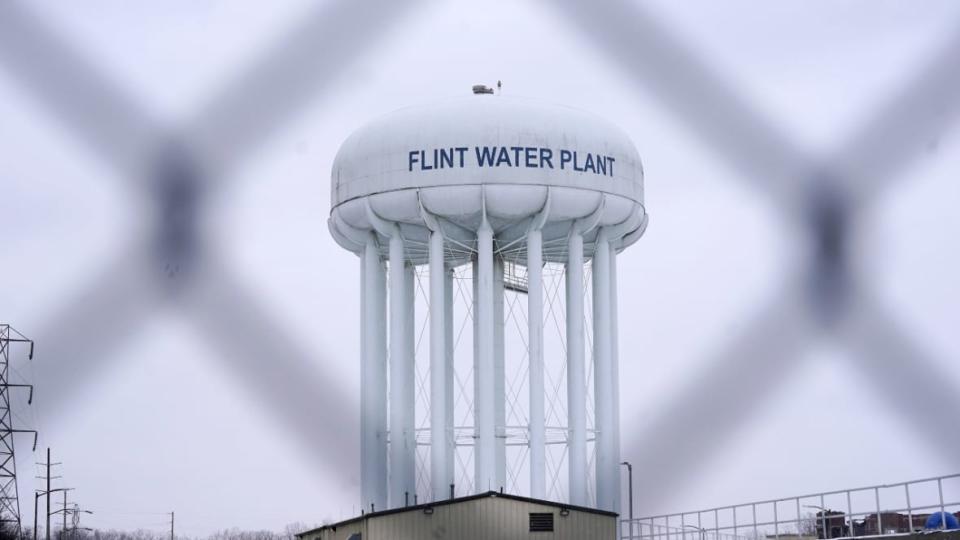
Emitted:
pixel 885 523
pixel 835 523
pixel 489 515
pixel 891 522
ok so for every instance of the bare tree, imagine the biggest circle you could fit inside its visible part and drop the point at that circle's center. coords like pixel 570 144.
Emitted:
pixel 291 531
pixel 807 526
pixel 237 534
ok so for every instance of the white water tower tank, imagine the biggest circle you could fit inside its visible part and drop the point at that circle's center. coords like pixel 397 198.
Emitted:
pixel 508 189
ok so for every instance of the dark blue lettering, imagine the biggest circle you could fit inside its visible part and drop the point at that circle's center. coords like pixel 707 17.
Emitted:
pixel 530 156
pixel 546 155
pixel 446 159
pixel 588 165
pixel 503 157
pixel 510 156
pixel 485 156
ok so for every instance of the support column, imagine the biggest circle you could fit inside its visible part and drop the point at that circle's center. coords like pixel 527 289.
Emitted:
pixel 450 441
pixel 576 374
pixel 484 407
pixel 603 389
pixel 438 370
pixel 401 377
pixel 615 367
pixel 538 449
pixel 475 281
pixel 373 379
pixel 409 390
pixel 499 377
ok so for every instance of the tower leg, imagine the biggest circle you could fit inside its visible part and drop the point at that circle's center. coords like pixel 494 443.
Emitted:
pixel 603 393
pixel 373 384
pixel 499 377
pixel 401 379
pixel 409 390
pixel 438 369
pixel 615 369
pixel 450 448
pixel 576 374
pixel 538 478
pixel 484 406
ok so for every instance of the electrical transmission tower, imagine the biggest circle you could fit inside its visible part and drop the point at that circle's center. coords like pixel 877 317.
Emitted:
pixel 9 497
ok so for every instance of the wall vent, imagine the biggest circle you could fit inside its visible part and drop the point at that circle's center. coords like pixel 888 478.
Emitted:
pixel 541 522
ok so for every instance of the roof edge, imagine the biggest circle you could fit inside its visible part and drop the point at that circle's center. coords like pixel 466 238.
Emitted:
pixel 466 498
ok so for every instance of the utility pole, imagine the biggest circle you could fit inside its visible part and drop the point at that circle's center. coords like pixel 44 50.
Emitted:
pixel 171 525
pixel 48 465
pixel 63 531
pixel 36 506
pixel 48 493
pixel 630 493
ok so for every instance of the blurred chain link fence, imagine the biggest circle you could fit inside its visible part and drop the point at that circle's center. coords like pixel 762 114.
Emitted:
pixel 826 196
pixel 179 169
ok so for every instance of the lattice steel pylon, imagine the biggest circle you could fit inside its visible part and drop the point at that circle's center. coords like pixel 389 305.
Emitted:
pixel 9 496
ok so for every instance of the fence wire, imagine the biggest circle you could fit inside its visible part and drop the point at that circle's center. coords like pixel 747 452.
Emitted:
pixel 177 171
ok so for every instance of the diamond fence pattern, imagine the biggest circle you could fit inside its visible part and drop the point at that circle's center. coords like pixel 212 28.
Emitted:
pixel 827 196
pixel 179 169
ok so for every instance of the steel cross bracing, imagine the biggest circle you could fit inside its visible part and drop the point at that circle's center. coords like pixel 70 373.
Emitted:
pixel 180 170
pixel 463 381
pixel 515 389
pixel 555 380
pixel 9 494
pixel 9 499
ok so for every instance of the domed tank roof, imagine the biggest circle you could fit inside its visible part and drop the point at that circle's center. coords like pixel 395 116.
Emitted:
pixel 487 139
pixel 489 157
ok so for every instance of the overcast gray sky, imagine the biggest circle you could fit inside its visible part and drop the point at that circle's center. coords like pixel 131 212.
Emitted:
pixel 163 426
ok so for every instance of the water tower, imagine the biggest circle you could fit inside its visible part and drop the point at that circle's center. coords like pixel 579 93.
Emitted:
pixel 477 372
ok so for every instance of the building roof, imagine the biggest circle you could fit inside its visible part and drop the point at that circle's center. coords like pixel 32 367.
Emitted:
pixel 446 502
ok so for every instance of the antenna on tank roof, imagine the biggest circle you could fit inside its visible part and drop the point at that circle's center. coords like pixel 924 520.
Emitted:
pixel 482 89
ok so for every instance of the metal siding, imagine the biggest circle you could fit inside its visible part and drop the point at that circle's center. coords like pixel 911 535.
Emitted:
pixel 342 533
pixel 489 518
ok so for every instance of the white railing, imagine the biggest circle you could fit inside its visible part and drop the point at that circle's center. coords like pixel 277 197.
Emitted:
pixel 868 511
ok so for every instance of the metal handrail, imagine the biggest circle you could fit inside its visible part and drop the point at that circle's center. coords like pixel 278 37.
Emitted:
pixel 823 524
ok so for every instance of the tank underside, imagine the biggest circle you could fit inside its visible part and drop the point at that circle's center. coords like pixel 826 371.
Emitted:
pixel 510 211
